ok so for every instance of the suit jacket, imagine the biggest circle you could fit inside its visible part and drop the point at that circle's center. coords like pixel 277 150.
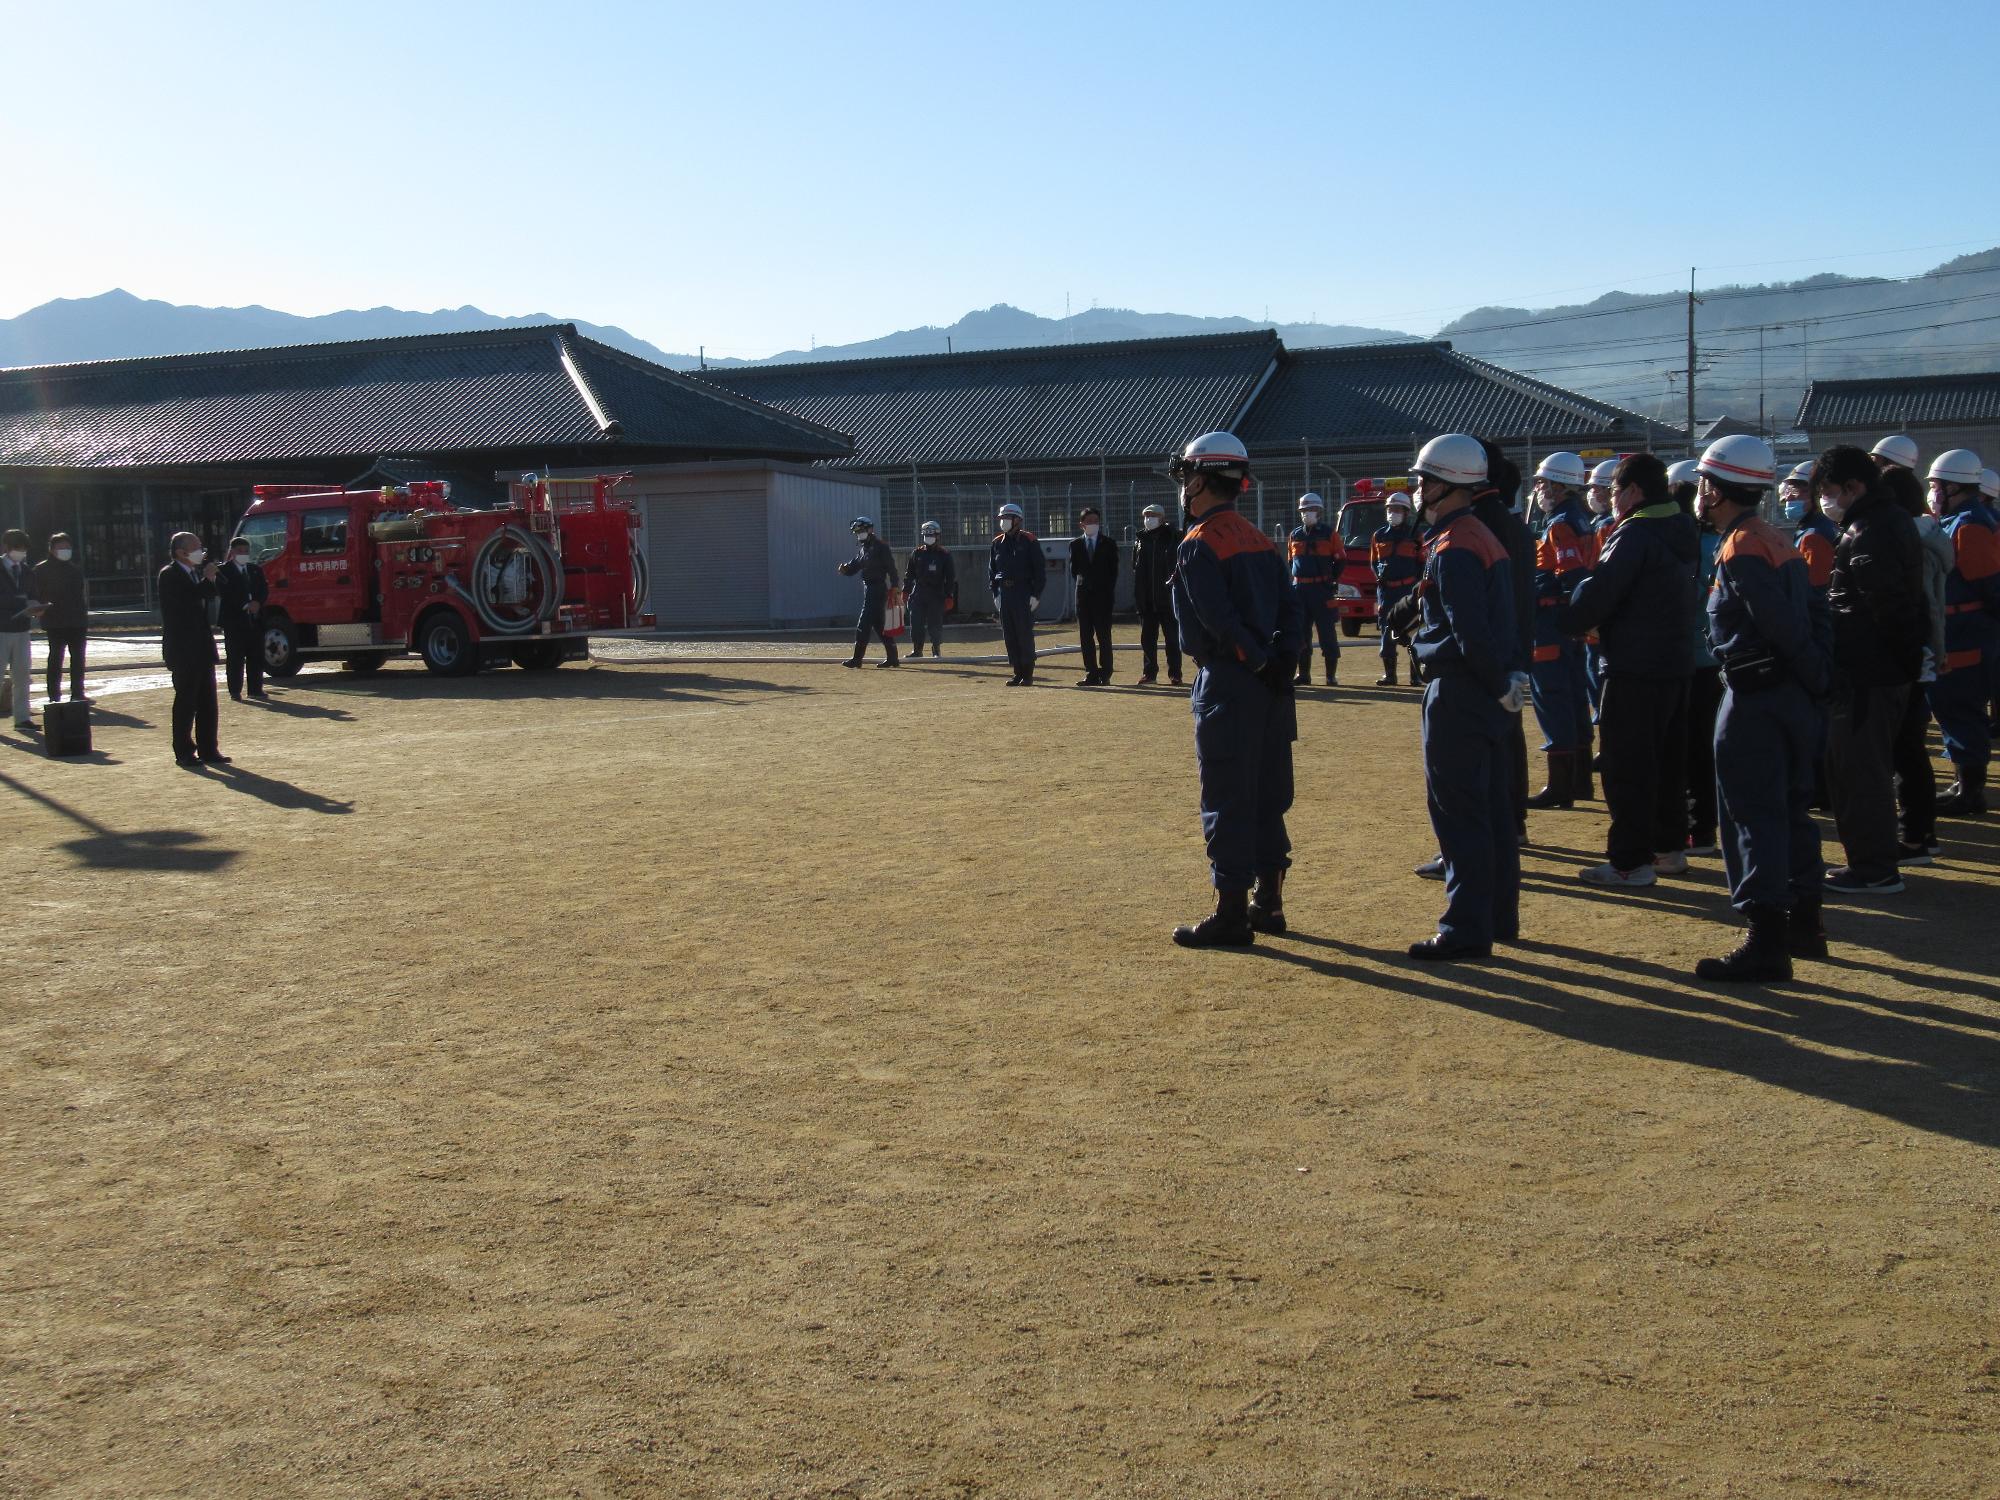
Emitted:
pixel 1096 572
pixel 186 642
pixel 236 590
pixel 16 593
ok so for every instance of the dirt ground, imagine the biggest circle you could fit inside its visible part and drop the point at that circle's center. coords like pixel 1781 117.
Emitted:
pixel 771 1080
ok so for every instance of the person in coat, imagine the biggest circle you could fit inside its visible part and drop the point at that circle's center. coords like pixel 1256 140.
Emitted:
pixel 1964 686
pixel 933 580
pixel 1153 591
pixel 187 643
pixel 1017 573
pixel 1396 558
pixel 1556 668
pixel 59 583
pixel 241 591
pixel 1639 599
pixel 1093 563
pixel 876 565
pixel 1497 504
pixel 20 607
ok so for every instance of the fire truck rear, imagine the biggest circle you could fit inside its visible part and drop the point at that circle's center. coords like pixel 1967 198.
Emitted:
pixel 364 575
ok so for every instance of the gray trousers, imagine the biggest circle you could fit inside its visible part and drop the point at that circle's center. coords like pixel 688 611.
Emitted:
pixel 16 659
pixel 1861 774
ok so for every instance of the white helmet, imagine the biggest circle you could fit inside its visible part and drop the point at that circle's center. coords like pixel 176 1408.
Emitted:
pixel 1563 468
pixel 1684 472
pixel 1898 450
pixel 1011 509
pixel 1396 499
pixel 1220 454
pixel 1740 459
pixel 1455 458
pixel 930 528
pixel 1957 466
pixel 1601 476
pixel 1989 484
pixel 1801 473
pixel 1311 501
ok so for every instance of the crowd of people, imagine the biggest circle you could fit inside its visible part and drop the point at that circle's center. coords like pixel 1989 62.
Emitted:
pixel 1720 674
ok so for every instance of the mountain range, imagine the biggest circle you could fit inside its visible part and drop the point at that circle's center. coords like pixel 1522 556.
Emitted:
pixel 1757 345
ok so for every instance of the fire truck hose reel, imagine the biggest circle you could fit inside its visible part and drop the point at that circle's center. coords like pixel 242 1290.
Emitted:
pixel 488 574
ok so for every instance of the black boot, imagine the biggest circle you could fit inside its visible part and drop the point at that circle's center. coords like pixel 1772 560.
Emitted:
pixel 1227 927
pixel 1582 785
pixel 1761 957
pixel 1561 791
pixel 891 660
pixel 1388 677
pixel 1267 904
pixel 1305 676
pixel 1965 797
pixel 1805 930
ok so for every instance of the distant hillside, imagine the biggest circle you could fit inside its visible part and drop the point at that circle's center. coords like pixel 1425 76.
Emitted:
pixel 1633 349
pixel 118 325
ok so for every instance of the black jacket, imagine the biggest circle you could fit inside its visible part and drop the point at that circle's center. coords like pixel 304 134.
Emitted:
pixel 1096 573
pixel 187 644
pixel 1512 533
pixel 15 595
pixel 1153 569
pixel 874 562
pixel 236 590
pixel 1881 618
pixel 61 585
pixel 932 575
pixel 1640 596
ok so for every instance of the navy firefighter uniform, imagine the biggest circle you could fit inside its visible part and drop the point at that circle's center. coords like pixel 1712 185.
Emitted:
pixel 1557 675
pixel 1396 558
pixel 1763 627
pixel 1465 648
pixel 1237 612
pixel 1017 572
pixel 877 566
pixel 1316 556
pixel 1963 689
pixel 933 580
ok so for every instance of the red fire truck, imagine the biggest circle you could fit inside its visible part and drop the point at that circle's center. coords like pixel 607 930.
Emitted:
pixel 1361 516
pixel 364 575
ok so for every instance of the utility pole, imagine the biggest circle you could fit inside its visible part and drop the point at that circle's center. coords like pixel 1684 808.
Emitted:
pixel 1690 374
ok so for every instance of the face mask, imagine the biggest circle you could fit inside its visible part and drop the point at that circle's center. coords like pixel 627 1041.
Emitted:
pixel 1152 523
pixel 1090 531
pixel 1006 524
pixel 17 556
pixel 197 557
pixel 61 554
pixel 1309 519
pixel 239 558
pixel 1795 510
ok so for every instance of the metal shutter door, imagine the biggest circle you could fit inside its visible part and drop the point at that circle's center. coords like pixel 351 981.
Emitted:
pixel 707 553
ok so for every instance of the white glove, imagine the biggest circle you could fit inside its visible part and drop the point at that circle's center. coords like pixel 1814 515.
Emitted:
pixel 1516 696
pixel 1034 603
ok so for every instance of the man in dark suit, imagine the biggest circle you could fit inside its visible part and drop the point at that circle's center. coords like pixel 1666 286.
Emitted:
pixel 241 587
pixel 1093 562
pixel 188 645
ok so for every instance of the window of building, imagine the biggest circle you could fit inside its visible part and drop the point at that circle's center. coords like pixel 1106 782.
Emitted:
pixel 266 535
pixel 322 532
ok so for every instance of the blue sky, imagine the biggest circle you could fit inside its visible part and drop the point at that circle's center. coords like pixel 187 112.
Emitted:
pixel 751 178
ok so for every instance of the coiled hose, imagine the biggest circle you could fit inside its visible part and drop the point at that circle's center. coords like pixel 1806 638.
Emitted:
pixel 480 596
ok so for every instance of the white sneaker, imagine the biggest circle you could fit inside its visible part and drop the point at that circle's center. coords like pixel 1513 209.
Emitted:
pixel 1611 875
pixel 1675 863
pixel 1433 868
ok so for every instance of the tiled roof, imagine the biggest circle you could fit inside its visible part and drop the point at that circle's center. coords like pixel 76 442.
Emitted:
pixel 539 386
pixel 1140 397
pixel 1910 401
pixel 1360 394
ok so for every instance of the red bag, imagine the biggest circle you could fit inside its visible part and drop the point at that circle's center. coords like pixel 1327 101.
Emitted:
pixel 892 615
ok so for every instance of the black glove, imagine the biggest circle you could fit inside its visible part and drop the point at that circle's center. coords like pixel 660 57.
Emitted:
pixel 1403 617
pixel 1280 670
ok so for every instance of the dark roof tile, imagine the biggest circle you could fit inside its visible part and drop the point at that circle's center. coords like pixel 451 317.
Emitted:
pixel 1908 401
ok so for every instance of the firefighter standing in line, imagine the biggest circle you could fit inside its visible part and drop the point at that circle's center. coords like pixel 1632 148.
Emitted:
pixel 1153 590
pixel 1017 572
pixel 1315 556
pixel 877 566
pixel 1963 690
pixel 1813 534
pixel 1774 649
pixel 933 579
pixel 1561 695
pixel 1396 557
pixel 1466 649
pixel 1240 621
pixel 1705 682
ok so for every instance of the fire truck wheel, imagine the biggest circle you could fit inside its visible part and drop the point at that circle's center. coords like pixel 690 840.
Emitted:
pixel 538 656
pixel 447 646
pixel 365 666
pixel 1350 626
pixel 281 647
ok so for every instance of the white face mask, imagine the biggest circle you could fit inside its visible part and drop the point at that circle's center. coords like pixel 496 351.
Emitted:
pixel 1006 523
pixel 15 555
pixel 241 559
pixel 61 554
pixel 1309 519
pixel 1090 531
pixel 1152 523
pixel 197 557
